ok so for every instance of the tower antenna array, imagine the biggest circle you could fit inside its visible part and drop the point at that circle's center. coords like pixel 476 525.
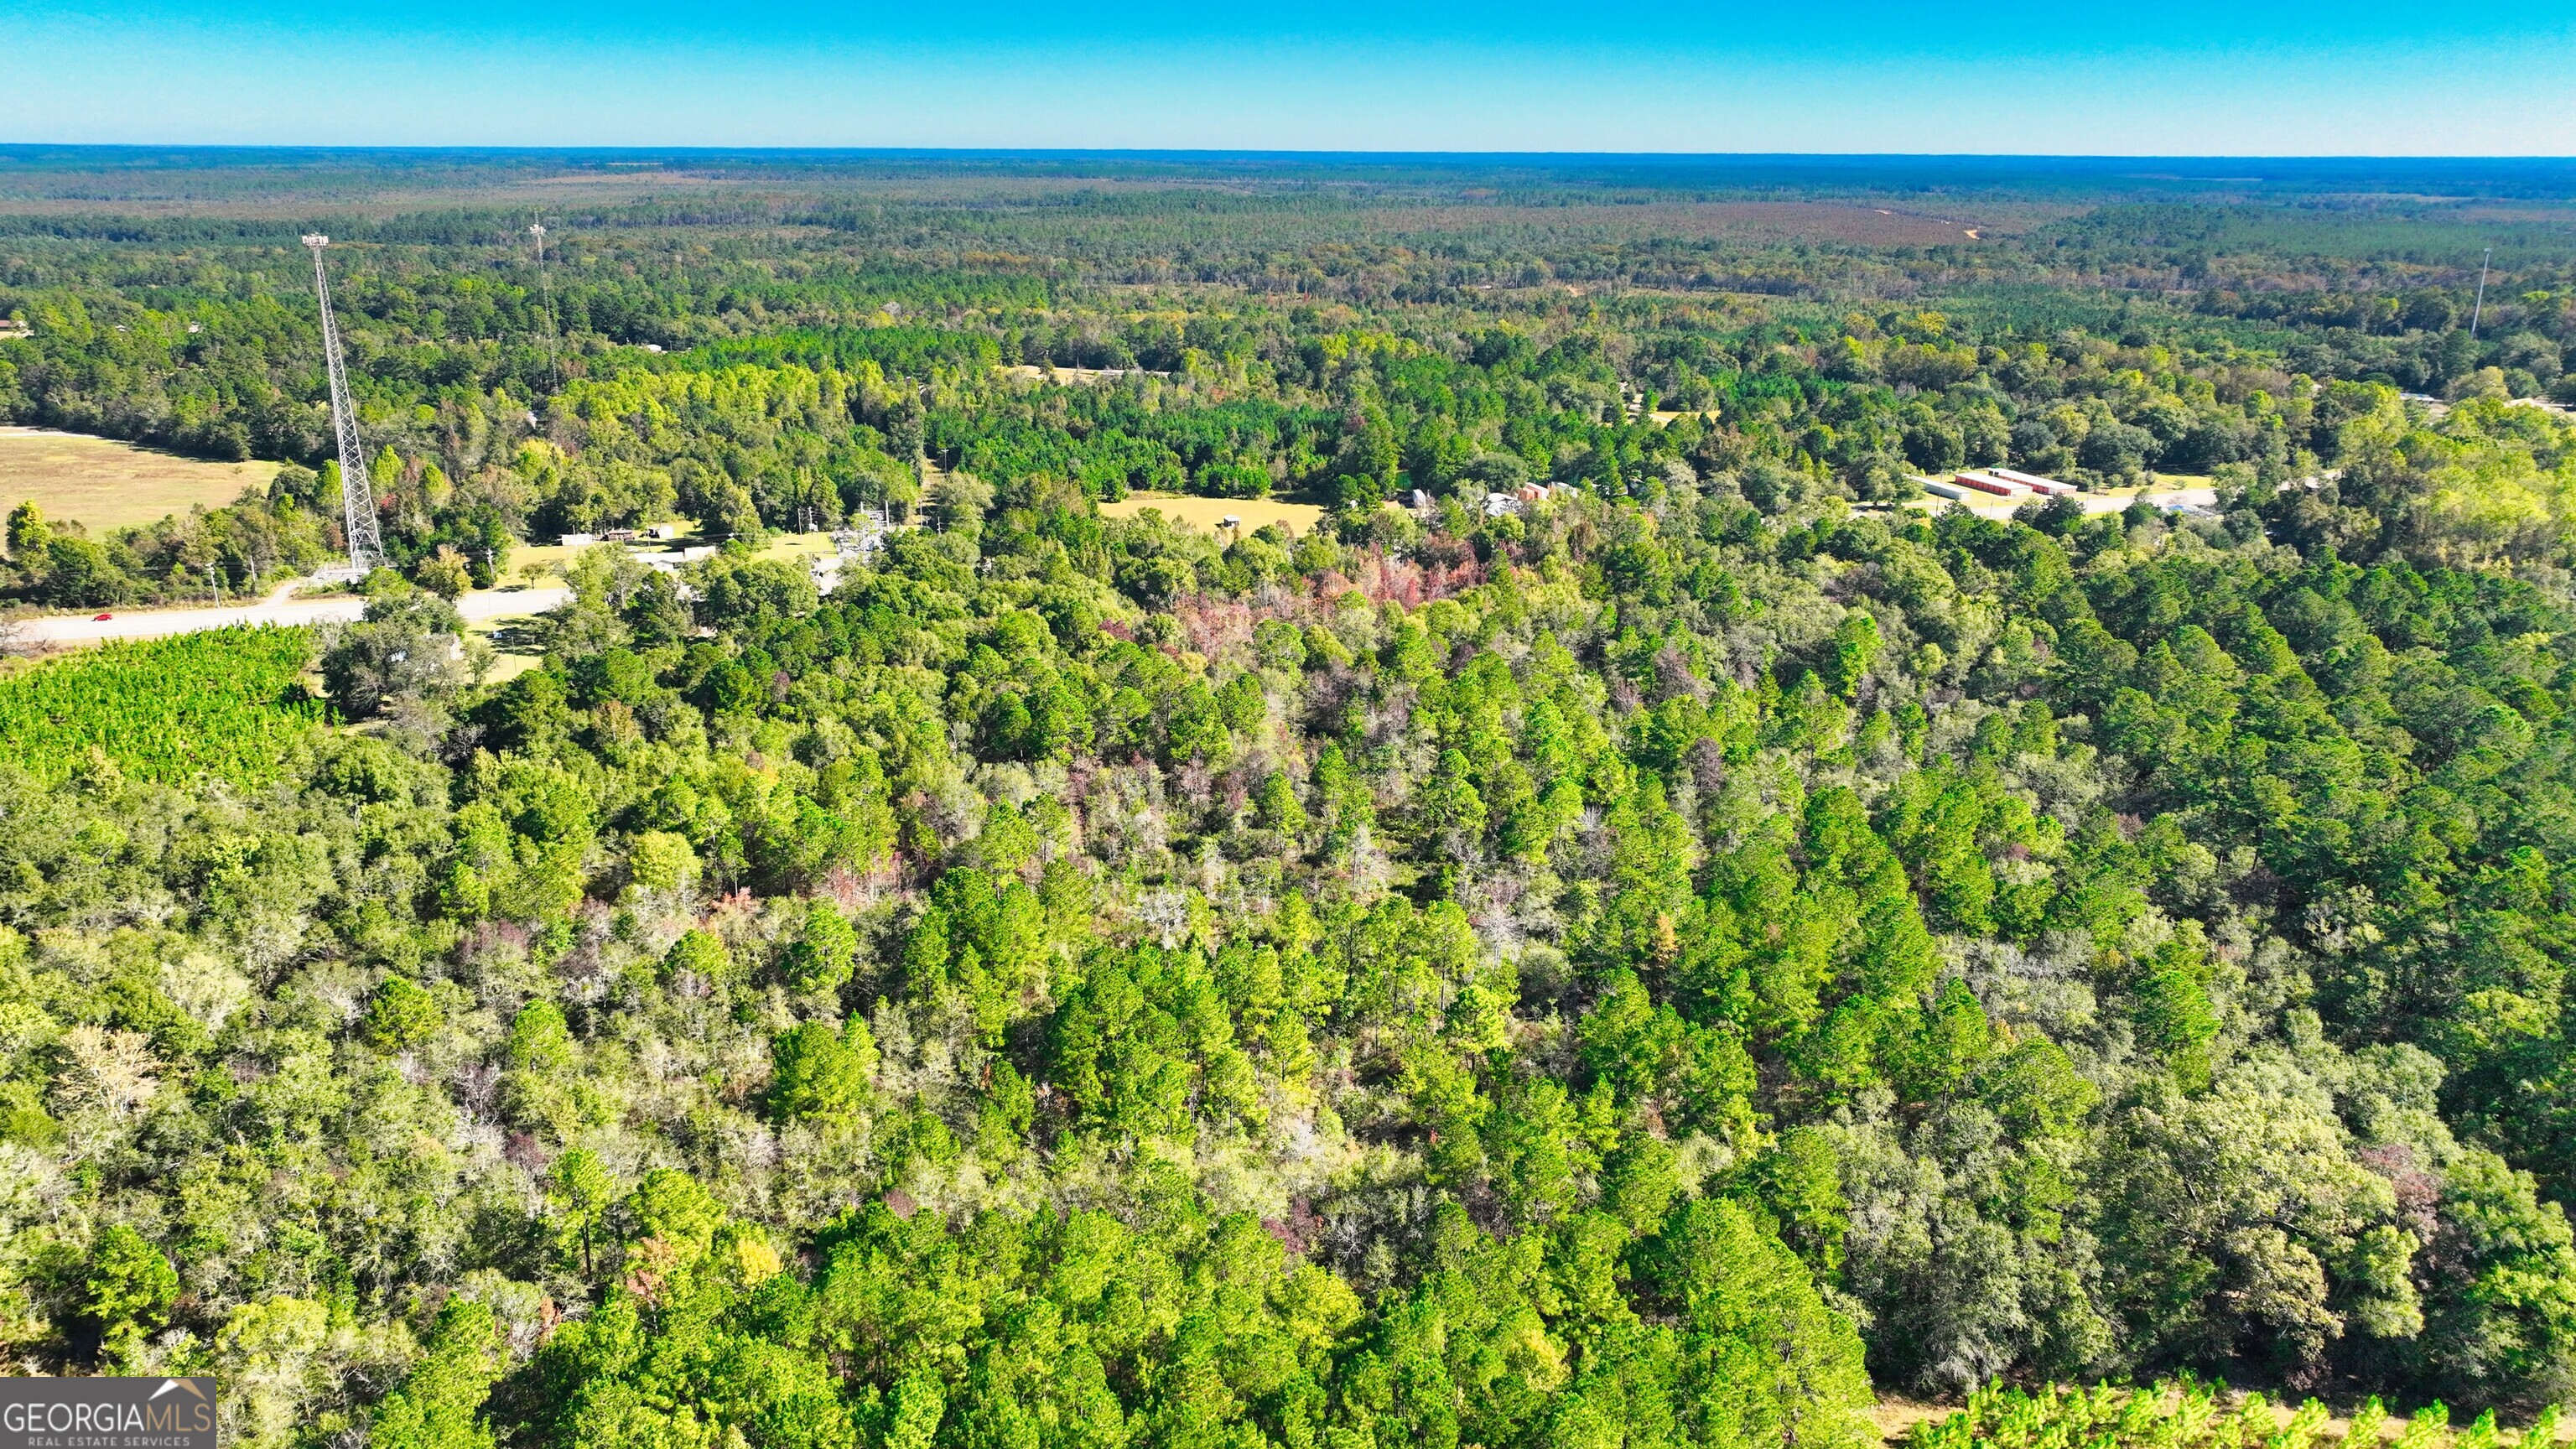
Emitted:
pixel 357 499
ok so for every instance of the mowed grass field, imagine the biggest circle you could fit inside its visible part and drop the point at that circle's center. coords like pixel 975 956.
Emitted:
pixel 107 484
pixel 792 547
pixel 1203 514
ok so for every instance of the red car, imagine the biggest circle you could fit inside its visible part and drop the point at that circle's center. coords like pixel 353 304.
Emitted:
pixel 103 618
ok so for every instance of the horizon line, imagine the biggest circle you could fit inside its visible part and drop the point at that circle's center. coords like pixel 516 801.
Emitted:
pixel 1279 153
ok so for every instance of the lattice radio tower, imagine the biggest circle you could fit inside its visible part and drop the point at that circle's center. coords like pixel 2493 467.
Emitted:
pixel 357 499
pixel 546 288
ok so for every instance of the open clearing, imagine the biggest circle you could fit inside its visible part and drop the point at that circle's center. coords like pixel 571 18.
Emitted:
pixel 553 557
pixel 1027 373
pixel 107 484
pixel 1203 514
pixel 2166 490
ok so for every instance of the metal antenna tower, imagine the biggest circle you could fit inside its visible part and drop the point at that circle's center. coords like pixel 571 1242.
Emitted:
pixel 546 290
pixel 2480 310
pixel 357 499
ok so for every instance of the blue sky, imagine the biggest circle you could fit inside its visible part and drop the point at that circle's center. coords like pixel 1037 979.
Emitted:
pixel 2185 78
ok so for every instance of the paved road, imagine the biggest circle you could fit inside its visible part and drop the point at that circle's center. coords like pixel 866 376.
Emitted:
pixel 277 608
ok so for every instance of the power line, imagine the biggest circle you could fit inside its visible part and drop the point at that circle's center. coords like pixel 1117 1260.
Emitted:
pixel 357 498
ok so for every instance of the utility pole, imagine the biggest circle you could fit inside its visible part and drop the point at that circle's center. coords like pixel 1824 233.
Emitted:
pixel 2480 309
pixel 357 499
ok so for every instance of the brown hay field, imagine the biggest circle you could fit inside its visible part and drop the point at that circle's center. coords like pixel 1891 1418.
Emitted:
pixel 106 484
pixel 1201 514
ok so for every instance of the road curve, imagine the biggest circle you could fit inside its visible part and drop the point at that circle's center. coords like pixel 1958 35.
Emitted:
pixel 278 608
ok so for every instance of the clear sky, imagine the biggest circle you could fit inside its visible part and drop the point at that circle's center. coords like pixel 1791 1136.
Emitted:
pixel 2339 77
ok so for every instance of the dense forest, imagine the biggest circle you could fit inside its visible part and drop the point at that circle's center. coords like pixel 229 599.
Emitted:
pixel 1664 965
